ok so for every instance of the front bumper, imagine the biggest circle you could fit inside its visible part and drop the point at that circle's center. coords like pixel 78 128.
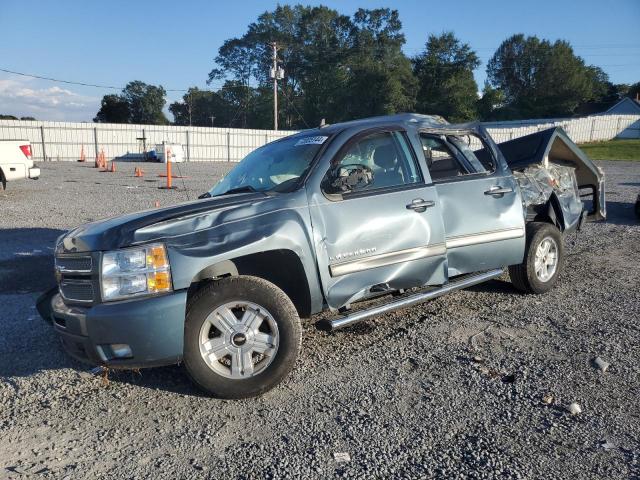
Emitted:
pixel 153 328
pixel 34 173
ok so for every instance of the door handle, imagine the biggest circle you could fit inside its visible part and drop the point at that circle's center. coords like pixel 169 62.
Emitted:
pixel 498 190
pixel 420 205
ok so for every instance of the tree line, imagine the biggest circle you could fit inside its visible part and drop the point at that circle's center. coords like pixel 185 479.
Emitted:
pixel 341 67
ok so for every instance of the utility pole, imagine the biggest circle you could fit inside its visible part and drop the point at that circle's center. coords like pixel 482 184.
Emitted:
pixel 274 70
pixel 276 73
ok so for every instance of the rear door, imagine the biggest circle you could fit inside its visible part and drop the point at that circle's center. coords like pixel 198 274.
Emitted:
pixel 480 202
pixel 388 235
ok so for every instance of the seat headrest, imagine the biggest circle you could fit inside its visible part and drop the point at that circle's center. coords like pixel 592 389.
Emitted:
pixel 384 156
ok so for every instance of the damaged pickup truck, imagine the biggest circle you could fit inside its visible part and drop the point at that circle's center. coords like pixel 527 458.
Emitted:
pixel 395 210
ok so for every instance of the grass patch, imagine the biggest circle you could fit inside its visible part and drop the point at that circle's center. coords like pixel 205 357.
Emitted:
pixel 617 149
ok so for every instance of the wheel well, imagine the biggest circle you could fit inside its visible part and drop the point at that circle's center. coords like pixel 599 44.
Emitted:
pixel 550 212
pixel 283 268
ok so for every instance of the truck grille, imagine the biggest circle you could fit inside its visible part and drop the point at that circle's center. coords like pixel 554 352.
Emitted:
pixel 78 278
pixel 77 290
pixel 74 264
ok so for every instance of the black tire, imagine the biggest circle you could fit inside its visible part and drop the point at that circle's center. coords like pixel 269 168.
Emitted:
pixel 3 180
pixel 524 276
pixel 263 294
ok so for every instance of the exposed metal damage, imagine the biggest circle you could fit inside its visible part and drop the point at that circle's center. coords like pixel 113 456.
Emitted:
pixel 554 175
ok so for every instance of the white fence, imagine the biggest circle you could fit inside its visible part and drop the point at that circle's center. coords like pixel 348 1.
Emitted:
pixel 594 128
pixel 63 141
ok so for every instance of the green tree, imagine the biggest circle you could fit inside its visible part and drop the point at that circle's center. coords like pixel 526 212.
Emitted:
pixel 491 102
pixel 336 67
pixel 198 106
pixel 8 117
pixel 543 79
pixel 145 103
pixel 381 79
pixel 633 91
pixel 138 103
pixel 113 109
pixel 445 77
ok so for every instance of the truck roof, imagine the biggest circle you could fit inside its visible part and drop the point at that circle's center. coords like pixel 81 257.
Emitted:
pixel 417 119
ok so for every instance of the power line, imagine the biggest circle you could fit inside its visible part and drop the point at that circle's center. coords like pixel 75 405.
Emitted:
pixel 109 87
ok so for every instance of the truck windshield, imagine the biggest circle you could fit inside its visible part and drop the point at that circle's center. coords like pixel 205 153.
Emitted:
pixel 275 167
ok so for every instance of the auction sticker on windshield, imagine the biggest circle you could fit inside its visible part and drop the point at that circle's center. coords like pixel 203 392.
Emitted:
pixel 319 140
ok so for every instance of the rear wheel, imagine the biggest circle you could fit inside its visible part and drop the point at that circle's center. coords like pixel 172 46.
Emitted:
pixel 544 257
pixel 242 337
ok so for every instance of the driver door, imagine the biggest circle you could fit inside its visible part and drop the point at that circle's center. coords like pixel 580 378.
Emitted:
pixel 385 235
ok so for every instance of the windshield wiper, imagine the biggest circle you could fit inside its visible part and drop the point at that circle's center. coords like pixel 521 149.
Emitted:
pixel 245 188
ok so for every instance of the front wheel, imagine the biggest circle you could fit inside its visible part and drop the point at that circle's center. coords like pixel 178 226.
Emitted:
pixel 242 337
pixel 543 260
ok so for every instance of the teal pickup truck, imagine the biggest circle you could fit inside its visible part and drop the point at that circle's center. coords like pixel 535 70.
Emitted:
pixel 395 210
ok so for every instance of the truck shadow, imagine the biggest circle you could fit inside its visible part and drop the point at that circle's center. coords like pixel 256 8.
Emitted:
pixel 27 346
pixel 621 213
pixel 26 259
pixel 172 378
pixel 495 286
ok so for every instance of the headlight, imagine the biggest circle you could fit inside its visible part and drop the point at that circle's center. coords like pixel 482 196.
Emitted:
pixel 135 271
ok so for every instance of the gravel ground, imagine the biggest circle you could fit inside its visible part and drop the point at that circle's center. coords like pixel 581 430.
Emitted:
pixel 449 389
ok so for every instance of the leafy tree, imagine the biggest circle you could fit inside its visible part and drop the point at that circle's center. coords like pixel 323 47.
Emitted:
pixel 381 80
pixel 491 102
pixel 336 67
pixel 445 76
pixel 633 91
pixel 113 109
pixel 543 79
pixel 8 117
pixel 198 106
pixel 145 103
pixel 138 103
pixel 27 118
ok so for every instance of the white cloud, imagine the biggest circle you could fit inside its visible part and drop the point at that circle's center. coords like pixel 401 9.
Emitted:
pixel 26 97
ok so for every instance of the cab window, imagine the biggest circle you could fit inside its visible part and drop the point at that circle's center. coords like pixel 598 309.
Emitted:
pixel 388 156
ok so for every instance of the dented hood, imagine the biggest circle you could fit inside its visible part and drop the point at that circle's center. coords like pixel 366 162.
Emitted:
pixel 554 146
pixel 120 231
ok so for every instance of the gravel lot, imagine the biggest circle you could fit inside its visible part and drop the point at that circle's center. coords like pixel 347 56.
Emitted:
pixel 452 388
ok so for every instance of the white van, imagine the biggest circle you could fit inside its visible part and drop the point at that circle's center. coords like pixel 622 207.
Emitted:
pixel 15 161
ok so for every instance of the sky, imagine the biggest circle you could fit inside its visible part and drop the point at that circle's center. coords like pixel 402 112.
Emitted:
pixel 174 43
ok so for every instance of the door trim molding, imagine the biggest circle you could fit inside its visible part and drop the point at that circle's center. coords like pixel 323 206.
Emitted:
pixel 385 259
pixel 484 237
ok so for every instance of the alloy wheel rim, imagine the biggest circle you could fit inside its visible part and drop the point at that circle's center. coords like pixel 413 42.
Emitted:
pixel 239 340
pixel 546 261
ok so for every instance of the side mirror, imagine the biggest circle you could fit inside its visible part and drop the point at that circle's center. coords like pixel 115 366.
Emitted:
pixel 348 178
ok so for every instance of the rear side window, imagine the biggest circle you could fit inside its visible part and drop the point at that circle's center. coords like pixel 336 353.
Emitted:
pixel 475 151
pixel 387 154
pixel 450 157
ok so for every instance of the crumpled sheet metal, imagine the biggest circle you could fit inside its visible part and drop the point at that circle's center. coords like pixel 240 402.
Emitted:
pixel 537 183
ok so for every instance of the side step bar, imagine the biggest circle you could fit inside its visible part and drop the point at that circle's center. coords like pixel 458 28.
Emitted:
pixel 410 300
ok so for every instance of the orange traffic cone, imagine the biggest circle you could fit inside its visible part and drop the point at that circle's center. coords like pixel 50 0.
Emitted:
pixel 138 172
pixel 83 158
pixel 113 166
pixel 157 204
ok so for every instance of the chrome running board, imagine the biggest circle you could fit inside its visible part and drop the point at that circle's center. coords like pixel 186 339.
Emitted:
pixel 410 300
